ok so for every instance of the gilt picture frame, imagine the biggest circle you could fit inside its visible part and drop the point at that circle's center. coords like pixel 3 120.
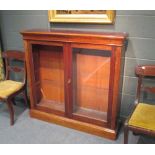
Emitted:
pixel 82 16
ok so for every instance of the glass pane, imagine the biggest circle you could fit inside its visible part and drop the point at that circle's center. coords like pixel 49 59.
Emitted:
pixel 91 72
pixel 49 76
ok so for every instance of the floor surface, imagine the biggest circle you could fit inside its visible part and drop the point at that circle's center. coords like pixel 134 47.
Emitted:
pixel 32 131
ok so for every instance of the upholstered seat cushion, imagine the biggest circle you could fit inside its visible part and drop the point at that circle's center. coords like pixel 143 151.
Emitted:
pixel 143 116
pixel 8 87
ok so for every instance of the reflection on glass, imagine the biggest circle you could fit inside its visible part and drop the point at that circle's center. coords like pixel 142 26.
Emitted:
pixel 49 76
pixel 91 71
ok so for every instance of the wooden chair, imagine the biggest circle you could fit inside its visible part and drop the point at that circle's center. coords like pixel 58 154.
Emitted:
pixel 10 88
pixel 142 119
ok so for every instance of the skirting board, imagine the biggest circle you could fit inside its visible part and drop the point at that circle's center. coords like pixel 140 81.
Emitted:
pixel 74 124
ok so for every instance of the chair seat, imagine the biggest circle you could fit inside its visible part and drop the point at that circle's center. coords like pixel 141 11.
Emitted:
pixel 9 87
pixel 143 117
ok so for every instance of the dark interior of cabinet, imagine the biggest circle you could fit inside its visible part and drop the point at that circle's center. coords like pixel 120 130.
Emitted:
pixel 49 77
pixel 91 74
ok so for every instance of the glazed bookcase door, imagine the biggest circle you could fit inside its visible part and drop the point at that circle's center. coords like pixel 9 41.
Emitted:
pixel 91 85
pixel 75 77
pixel 48 69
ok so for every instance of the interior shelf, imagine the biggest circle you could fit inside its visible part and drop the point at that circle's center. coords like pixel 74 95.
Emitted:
pixel 51 105
pixel 89 113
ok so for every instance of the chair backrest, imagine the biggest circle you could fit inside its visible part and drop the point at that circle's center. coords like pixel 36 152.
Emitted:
pixel 12 55
pixel 144 71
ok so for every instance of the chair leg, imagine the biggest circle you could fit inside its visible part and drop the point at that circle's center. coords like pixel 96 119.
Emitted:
pixel 10 107
pixel 126 132
pixel 13 101
pixel 25 97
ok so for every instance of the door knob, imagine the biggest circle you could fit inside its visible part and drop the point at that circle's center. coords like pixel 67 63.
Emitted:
pixel 69 81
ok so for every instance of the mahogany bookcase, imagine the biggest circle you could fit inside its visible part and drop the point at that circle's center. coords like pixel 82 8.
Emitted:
pixel 74 78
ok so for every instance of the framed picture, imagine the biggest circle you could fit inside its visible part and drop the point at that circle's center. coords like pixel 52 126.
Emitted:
pixel 82 16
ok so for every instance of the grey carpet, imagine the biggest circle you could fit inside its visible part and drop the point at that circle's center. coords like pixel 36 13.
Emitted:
pixel 146 140
pixel 31 131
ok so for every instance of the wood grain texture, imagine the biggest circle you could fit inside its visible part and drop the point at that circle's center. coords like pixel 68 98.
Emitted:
pixel 74 78
pixel 78 125
pixel 112 35
pixel 51 72
pixel 104 38
pixel 30 74
pixel 92 74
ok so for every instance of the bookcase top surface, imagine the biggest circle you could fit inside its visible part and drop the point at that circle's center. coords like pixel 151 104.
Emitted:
pixel 112 35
